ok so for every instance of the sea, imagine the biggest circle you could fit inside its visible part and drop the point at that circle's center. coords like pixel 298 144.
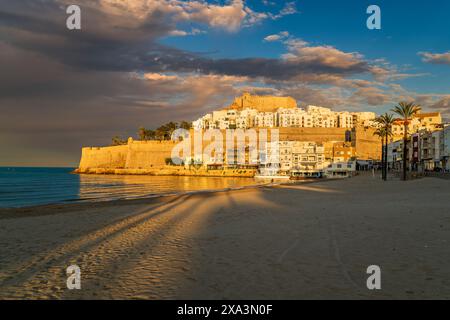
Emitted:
pixel 24 187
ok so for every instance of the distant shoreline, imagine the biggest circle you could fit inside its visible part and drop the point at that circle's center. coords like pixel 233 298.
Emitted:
pixel 170 171
pixel 38 167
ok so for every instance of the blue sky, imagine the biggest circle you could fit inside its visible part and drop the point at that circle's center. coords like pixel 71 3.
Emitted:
pixel 408 27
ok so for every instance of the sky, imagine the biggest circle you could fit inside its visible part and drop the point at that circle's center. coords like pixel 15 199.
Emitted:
pixel 145 62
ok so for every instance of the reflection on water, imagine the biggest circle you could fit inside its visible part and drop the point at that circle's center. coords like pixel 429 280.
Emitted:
pixel 20 187
pixel 101 187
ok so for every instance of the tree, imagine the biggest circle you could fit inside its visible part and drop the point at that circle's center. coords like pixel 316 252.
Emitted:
pixel 406 110
pixel 117 141
pixel 170 128
pixel 165 131
pixel 150 134
pixel 142 133
pixel 160 133
pixel 146 134
pixel 174 161
pixel 381 132
pixel 185 125
pixel 386 120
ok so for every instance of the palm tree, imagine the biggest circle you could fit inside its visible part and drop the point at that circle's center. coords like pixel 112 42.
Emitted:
pixel 381 132
pixel 386 121
pixel 406 110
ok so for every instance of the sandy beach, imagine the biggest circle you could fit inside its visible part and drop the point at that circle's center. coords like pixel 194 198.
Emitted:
pixel 303 241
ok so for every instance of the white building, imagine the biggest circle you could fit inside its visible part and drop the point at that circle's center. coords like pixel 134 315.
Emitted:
pixel 265 120
pixel 246 119
pixel 285 149
pixel 430 156
pixel 307 157
pixel 427 150
pixel 318 110
pixel 322 117
pixel 345 120
pixel 444 147
pixel 294 118
pixel 366 119
pixel 204 122
pixel 341 169
pixel 294 158
pixel 313 116
pixel 395 154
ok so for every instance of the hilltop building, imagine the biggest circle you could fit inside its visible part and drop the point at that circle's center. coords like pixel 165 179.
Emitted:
pixel 262 103
pixel 310 141
pixel 250 111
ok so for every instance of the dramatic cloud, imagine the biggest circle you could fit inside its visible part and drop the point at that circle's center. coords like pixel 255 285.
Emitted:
pixel 62 89
pixel 436 58
pixel 436 102
pixel 371 95
pixel 325 58
pixel 443 106
pixel 230 16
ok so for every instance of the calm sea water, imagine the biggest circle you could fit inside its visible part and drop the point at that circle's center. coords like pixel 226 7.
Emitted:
pixel 20 187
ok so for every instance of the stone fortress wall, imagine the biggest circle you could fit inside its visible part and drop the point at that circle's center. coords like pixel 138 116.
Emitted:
pixel 134 155
pixel 262 103
pixel 318 135
pixel 149 157
pixel 103 157
pixel 368 145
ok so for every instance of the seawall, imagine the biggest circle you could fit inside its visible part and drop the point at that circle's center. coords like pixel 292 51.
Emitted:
pixel 136 155
pixel 144 158
pixel 149 157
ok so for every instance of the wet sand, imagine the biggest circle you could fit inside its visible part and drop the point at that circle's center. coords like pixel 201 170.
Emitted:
pixel 304 241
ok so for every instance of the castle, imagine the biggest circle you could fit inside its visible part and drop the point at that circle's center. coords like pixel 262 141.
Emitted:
pixel 309 141
pixel 250 111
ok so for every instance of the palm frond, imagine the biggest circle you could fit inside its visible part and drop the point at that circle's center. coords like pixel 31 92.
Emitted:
pixel 406 110
pixel 381 132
